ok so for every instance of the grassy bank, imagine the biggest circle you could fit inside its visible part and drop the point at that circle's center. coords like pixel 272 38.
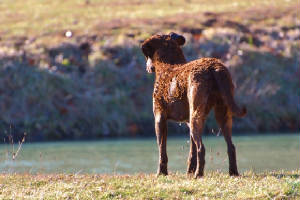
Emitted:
pixel 47 20
pixel 215 185
pixel 56 87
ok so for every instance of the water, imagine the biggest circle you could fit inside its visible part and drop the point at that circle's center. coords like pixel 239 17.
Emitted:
pixel 257 153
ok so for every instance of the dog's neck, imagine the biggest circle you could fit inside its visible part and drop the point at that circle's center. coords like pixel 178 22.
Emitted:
pixel 162 67
pixel 165 62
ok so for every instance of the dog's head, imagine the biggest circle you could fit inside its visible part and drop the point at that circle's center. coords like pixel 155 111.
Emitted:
pixel 164 48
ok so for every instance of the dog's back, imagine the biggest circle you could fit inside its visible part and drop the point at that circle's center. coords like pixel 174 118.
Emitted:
pixel 173 85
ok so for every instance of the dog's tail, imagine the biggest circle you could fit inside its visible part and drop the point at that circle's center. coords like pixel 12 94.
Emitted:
pixel 226 87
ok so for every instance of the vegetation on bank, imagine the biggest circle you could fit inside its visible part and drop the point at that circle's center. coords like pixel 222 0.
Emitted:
pixel 92 81
pixel 47 21
pixel 214 185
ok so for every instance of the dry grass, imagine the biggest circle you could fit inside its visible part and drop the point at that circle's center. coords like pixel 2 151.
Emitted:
pixel 36 18
pixel 215 185
pixel 259 40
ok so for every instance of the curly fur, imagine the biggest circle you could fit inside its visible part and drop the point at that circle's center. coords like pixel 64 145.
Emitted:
pixel 186 92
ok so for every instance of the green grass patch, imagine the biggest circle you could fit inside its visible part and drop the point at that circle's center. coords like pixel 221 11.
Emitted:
pixel 214 185
pixel 42 18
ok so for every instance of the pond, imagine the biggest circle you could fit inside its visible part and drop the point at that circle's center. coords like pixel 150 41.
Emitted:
pixel 129 156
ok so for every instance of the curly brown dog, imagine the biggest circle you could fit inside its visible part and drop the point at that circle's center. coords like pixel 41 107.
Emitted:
pixel 186 92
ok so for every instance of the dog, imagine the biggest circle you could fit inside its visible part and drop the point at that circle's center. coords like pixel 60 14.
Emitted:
pixel 186 92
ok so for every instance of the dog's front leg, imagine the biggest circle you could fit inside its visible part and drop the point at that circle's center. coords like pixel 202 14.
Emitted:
pixel 161 135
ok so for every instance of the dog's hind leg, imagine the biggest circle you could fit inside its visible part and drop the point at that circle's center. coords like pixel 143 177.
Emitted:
pixel 224 119
pixel 196 133
pixel 198 97
pixel 192 159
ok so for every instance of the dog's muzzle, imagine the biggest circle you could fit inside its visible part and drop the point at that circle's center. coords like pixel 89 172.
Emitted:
pixel 149 66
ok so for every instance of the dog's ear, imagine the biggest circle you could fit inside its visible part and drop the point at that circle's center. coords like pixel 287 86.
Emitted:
pixel 180 40
pixel 147 49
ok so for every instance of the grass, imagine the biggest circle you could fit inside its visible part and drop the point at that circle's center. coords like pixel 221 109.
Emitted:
pixel 61 79
pixel 214 185
pixel 35 18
